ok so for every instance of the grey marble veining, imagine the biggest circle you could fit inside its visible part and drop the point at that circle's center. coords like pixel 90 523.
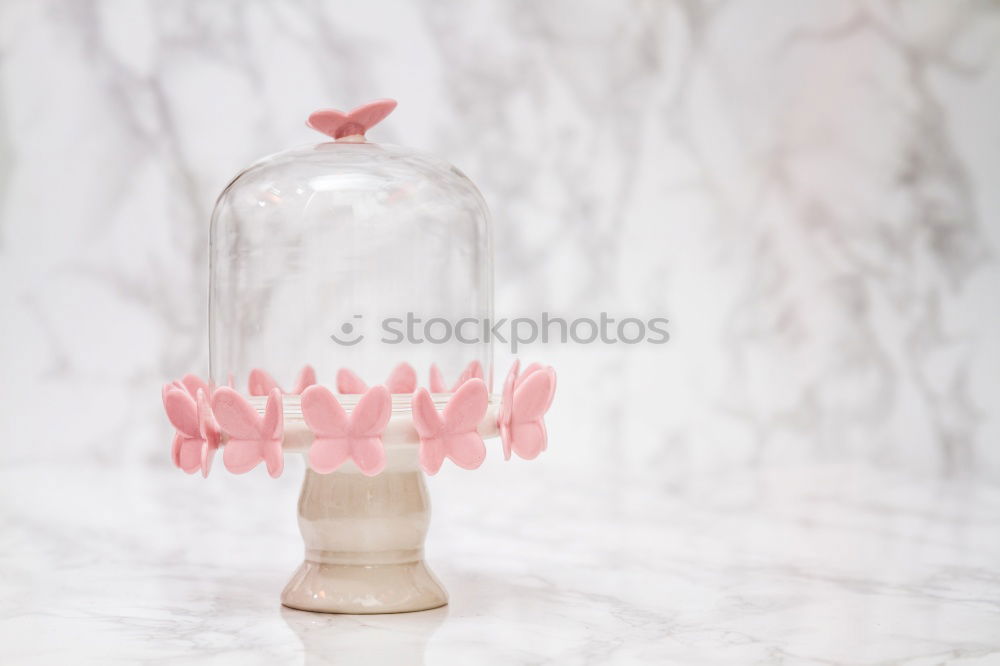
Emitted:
pixel 805 191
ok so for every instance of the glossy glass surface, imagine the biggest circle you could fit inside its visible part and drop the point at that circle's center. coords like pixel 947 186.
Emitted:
pixel 327 243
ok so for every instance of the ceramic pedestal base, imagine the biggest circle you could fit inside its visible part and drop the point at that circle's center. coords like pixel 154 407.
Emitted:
pixel 364 539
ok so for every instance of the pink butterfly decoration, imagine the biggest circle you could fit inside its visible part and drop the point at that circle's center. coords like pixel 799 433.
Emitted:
pixel 402 379
pixel 526 398
pixel 473 370
pixel 262 383
pixel 197 433
pixel 252 438
pixel 338 124
pixel 191 383
pixel 452 433
pixel 339 436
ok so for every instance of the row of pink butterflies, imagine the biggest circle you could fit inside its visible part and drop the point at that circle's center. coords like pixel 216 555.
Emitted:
pixel 402 379
pixel 201 414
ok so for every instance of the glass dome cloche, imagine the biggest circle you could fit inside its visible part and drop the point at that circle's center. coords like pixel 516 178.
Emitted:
pixel 350 282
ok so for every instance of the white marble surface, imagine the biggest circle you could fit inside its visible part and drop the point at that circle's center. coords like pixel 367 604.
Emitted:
pixel 818 564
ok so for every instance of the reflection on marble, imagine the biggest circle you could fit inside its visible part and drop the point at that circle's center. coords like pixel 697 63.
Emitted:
pixel 815 564
pixel 374 639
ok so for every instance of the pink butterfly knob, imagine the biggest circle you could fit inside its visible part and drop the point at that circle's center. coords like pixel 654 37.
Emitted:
pixel 338 125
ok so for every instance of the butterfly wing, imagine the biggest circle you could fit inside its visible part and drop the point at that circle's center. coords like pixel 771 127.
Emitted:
pixel 306 378
pixel 327 419
pixel 466 408
pixel 506 404
pixel 272 425
pixel 368 454
pixel 472 371
pixel 368 420
pixel 261 383
pixel 207 424
pixel 372 413
pixel 527 435
pixel 322 412
pixel 466 450
pixel 238 419
pixel 431 455
pixel 327 121
pixel 533 368
pixel 176 410
pixel 528 439
pixel 370 114
pixel 192 383
pixel 207 455
pixel 428 424
pixel 436 380
pixel 209 431
pixel 461 417
pixel 403 379
pixel 175 449
pixel 272 431
pixel 181 410
pixel 326 454
pixel 533 396
pixel 241 455
pixel 273 457
pixel 349 383
pixel 189 454
pixel 530 368
pixel 426 420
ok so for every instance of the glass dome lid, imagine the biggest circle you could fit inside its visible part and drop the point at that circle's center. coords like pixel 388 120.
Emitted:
pixel 351 294
pixel 350 257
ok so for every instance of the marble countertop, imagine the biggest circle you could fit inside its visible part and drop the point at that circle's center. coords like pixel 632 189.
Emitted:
pixel 822 564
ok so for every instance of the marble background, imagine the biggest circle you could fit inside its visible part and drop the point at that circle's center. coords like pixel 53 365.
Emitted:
pixel 807 190
pixel 806 474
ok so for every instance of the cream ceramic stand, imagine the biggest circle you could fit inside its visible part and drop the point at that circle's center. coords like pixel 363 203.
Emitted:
pixel 364 541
